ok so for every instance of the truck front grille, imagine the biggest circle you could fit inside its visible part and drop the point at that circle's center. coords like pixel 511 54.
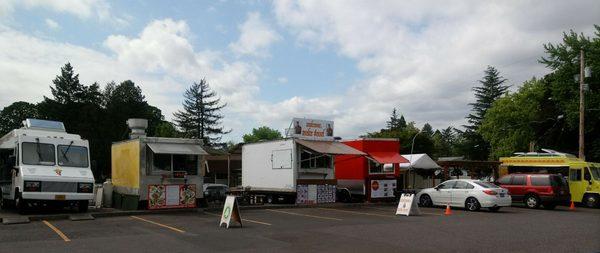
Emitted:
pixel 49 186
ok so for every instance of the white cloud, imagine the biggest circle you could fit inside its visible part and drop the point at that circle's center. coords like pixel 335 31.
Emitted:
pixel 160 59
pixel 423 57
pixel 83 9
pixel 53 25
pixel 282 80
pixel 255 37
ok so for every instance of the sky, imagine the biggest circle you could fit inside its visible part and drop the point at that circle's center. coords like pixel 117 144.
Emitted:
pixel 270 61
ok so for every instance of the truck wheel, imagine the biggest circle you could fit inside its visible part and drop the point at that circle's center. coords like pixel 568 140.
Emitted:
pixel 270 199
pixel 82 206
pixel 532 201
pixel 20 203
pixel 3 202
pixel 590 200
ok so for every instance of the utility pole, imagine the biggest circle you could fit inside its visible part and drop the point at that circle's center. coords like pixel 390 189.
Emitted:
pixel 581 105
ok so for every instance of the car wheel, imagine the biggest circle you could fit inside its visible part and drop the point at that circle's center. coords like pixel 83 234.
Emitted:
pixel 472 204
pixel 549 206
pixel 591 200
pixel 494 209
pixel 532 201
pixel 425 201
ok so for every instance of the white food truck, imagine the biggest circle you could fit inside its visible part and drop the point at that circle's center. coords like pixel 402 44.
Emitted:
pixel 41 164
pixel 298 169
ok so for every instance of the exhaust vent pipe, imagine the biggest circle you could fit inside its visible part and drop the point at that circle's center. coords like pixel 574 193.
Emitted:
pixel 138 128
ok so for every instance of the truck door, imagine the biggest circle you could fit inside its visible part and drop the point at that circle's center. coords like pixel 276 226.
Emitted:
pixel 576 184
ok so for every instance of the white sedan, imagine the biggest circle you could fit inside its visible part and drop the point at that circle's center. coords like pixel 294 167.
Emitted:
pixel 467 193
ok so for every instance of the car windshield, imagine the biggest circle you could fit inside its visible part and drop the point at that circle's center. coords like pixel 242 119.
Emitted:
pixel 485 184
pixel 36 153
pixel 72 156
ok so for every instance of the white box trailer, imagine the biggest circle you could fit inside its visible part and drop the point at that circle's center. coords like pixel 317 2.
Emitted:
pixel 42 164
pixel 291 170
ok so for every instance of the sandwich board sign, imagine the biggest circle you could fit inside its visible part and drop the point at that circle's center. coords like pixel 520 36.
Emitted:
pixel 231 211
pixel 407 205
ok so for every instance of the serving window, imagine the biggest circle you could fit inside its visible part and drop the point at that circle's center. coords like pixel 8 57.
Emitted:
pixel 375 167
pixel 168 163
pixel 310 160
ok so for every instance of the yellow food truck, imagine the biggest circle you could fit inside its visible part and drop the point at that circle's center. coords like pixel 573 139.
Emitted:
pixel 583 177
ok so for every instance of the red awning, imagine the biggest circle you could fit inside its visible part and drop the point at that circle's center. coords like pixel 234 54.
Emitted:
pixel 387 157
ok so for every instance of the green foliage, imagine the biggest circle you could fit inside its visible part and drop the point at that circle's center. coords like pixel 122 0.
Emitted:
pixel 396 123
pixel 13 115
pixel 200 117
pixel 422 144
pixel 166 129
pixel 492 87
pixel 510 124
pixel 262 134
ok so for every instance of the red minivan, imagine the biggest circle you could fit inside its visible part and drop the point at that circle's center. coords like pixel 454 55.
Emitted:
pixel 534 190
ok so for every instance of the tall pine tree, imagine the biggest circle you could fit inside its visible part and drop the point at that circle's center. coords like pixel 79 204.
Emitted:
pixel 200 117
pixel 492 87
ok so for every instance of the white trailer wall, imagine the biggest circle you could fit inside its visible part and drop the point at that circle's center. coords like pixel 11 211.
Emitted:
pixel 269 165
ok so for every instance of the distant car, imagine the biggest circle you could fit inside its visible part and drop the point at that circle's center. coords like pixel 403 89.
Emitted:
pixel 547 190
pixel 468 193
pixel 214 192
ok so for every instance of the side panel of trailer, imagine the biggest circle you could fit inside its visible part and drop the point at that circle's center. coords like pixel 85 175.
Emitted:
pixel 269 165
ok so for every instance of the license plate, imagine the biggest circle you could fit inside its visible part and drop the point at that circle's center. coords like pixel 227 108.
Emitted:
pixel 59 197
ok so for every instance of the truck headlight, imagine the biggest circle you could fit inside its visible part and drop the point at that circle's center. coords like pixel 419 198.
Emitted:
pixel 84 187
pixel 32 186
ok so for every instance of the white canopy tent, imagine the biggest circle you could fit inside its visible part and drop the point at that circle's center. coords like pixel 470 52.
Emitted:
pixel 420 162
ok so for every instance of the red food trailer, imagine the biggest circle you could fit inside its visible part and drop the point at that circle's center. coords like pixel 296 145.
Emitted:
pixel 373 177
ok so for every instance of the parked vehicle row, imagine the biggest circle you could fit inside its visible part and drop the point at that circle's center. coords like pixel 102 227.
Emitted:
pixel 467 193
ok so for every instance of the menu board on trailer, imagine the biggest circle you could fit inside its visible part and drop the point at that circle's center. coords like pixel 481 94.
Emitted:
pixel 311 129
pixel 383 188
pixel 161 196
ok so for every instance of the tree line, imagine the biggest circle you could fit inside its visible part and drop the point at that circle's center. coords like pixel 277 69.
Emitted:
pixel 100 115
pixel 541 113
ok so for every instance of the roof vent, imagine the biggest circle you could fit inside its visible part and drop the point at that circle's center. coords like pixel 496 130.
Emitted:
pixel 138 128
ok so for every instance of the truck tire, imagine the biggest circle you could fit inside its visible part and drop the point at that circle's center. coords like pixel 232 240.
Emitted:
pixel 3 202
pixel 20 203
pixel 82 206
pixel 591 200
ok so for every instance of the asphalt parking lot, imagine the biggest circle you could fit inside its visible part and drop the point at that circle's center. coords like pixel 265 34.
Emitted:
pixel 331 229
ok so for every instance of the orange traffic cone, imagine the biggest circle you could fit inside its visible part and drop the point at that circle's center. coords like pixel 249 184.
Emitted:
pixel 572 207
pixel 448 210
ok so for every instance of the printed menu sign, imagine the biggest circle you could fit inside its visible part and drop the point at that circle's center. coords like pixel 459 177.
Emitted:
pixel 311 129
pixel 162 196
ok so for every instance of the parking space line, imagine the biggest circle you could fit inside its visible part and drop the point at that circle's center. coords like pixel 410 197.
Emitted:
pixel 355 212
pixel 158 224
pixel 57 231
pixel 305 215
pixel 381 209
pixel 248 220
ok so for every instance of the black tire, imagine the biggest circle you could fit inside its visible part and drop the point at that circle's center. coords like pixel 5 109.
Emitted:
pixel 270 199
pixel 82 206
pixel 532 201
pixel 425 201
pixel 494 209
pixel 549 206
pixel 472 204
pixel 591 200
pixel 3 202
pixel 20 203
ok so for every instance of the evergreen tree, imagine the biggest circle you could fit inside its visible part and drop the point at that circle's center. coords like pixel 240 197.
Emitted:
pixel 427 130
pixel 393 123
pixel 492 87
pixel 401 122
pixel 200 116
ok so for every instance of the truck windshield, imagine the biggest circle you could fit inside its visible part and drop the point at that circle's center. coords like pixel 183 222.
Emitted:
pixel 595 172
pixel 72 156
pixel 35 153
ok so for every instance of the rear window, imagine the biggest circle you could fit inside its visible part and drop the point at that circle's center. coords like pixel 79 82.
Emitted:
pixel 485 184
pixel 540 180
